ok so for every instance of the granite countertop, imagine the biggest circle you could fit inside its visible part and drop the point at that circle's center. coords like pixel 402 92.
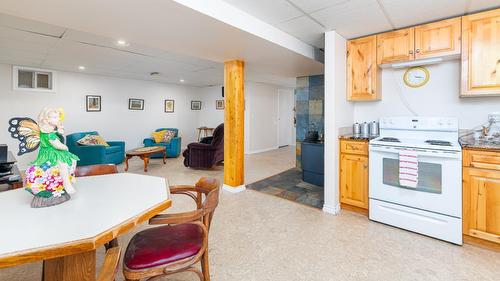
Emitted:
pixel 481 144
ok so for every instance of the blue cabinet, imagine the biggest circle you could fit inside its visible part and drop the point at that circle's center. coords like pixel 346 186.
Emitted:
pixel 313 163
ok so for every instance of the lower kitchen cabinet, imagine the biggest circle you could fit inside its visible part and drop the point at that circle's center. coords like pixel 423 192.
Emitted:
pixel 354 175
pixel 481 197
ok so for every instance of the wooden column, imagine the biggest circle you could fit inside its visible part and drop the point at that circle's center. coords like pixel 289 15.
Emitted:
pixel 234 125
pixel 69 268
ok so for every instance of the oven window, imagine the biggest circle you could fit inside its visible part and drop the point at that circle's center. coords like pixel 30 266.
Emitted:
pixel 429 175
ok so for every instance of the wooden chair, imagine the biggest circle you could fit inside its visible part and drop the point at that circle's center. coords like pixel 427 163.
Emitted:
pixel 110 265
pixel 181 242
pixel 95 170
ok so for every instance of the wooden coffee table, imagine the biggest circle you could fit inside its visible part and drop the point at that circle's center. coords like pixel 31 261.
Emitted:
pixel 145 154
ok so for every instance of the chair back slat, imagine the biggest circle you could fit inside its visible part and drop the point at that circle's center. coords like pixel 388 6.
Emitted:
pixel 210 187
pixel 95 170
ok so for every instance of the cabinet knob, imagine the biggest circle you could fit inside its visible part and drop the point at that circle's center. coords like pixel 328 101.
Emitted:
pixel 417 51
pixel 365 166
pixel 411 52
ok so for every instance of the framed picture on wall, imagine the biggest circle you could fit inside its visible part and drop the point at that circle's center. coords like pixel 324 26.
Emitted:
pixel 169 106
pixel 93 103
pixel 195 105
pixel 135 104
pixel 219 104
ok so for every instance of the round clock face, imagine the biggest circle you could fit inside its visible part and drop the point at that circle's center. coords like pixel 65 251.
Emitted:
pixel 416 76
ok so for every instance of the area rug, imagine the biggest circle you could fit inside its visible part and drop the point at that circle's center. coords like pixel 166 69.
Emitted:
pixel 289 185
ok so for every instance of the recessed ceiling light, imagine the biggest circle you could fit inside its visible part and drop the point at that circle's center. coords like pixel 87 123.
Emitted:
pixel 122 43
pixel 81 67
pixel 182 80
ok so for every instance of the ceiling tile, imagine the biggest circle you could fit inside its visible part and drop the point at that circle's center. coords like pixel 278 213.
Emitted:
pixel 354 18
pixel 478 5
pixel 310 6
pixel 407 13
pixel 29 25
pixel 273 11
pixel 305 29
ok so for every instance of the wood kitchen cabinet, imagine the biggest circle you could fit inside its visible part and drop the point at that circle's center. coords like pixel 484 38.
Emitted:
pixel 481 54
pixel 363 75
pixel 395 46
pixel 481 197
pixel 354 175
pixel 438 39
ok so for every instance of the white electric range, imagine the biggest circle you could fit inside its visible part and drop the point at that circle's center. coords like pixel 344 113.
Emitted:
pixel 434 206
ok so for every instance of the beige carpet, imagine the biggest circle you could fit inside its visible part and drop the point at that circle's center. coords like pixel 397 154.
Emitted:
pixel 261 237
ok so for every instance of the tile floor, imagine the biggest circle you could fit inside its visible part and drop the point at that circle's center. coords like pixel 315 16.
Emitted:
pixel 257 237
pixel 289 185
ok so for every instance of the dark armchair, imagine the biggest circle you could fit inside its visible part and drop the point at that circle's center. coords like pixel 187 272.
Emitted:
pixel 208 152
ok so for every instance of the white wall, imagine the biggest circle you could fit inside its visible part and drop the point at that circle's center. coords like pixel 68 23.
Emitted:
pixel 261 114
pixel 115 121
pixel 439 97
pixel 338 113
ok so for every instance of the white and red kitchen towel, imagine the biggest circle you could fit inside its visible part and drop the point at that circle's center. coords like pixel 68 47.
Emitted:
pixel 408 168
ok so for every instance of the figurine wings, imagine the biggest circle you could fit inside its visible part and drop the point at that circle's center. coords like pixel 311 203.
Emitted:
pixel 26 130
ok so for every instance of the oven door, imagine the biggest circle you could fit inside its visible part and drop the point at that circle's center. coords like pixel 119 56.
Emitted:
pixel 439 186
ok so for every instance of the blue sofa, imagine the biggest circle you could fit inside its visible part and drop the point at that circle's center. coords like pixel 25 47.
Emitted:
pixel 173 147
pixel 95 154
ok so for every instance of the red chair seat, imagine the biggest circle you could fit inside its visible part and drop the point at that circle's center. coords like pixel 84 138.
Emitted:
pixel 163 245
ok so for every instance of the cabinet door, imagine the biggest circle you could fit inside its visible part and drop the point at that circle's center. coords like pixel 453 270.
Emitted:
pixel 481 54
pixel 438 39
pixel 482 204
pixel 395 46
pixel 354 180
pixel 362 69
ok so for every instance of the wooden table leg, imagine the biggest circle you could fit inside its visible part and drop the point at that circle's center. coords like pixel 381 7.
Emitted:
pixel 165 157
pixel 126 162
pixel 70 268
pixel 146 162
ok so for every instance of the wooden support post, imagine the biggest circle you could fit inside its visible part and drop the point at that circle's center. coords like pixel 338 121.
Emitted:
pixel 69 268
pixel 234 126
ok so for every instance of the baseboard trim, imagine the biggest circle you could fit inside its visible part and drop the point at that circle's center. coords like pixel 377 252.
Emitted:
pixel 331 209
pixel 234 189
pixel 261 150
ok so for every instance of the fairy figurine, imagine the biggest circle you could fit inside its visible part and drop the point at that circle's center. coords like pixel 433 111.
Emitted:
pixel 50 177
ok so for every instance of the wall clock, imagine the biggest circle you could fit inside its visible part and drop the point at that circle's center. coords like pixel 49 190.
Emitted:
pixel 416 77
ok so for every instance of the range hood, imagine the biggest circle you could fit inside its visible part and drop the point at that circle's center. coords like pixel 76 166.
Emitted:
pixel 420 62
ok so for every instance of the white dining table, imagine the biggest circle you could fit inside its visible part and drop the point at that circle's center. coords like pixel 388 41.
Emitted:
pixel 66 236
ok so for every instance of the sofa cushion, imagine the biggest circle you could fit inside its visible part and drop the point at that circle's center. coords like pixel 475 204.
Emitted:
pixel 159 136
pixel 92 140
pixel 163 245
pixel 169 135
pixel 113 149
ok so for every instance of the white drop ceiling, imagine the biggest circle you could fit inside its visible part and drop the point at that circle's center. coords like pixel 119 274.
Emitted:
pixel 309 19
pixel 35 44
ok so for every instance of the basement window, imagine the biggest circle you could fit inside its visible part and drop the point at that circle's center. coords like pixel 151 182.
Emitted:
pixel 33 79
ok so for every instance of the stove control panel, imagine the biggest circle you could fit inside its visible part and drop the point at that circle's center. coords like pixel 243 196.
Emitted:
pixel 419 123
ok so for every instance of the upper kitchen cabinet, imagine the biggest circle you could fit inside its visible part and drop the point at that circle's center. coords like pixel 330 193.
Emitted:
pixel 481 54
pixel 438 39
pixel 362 71
pixel 395 46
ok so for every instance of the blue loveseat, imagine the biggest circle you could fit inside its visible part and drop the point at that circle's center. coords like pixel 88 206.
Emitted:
pixel 95 154
pixel 173 147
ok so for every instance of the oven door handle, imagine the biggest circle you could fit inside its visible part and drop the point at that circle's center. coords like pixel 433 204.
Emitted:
pixel 422 152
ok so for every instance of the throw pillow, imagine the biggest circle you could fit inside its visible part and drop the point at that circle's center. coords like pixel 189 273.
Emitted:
pixel 169 135
pixel 92 140
pixel 159 136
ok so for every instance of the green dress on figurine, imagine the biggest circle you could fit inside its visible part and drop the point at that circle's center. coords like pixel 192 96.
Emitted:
pixel 50 154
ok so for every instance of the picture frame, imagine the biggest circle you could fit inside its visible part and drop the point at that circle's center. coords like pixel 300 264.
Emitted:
pixel 93 103
pixel 135 104
pixel 195 105
pixel 219 104
pixel 169 106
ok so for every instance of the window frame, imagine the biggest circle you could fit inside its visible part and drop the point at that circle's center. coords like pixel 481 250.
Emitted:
pixel 52 79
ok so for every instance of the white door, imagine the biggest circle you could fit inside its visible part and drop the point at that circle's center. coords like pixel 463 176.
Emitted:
pixel 285 117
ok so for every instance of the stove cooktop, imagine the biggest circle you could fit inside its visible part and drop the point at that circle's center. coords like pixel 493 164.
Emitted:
pixel 389 139
pixel 438 142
